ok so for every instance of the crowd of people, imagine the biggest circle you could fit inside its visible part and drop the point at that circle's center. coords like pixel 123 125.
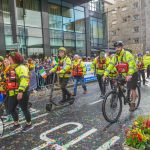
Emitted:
pixel 19 77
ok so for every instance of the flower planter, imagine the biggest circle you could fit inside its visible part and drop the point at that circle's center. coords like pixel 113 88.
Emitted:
pixel 126 147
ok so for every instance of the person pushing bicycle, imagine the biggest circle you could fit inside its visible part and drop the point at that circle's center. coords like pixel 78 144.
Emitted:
pixel 125 59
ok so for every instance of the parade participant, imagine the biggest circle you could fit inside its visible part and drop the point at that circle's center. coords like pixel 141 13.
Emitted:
pixel 17 86
pixel 146 60
pixel 63 68
pixel 113 73
pixel 1 64
pixel 124 57
pixel 78 72
pixel 141 67
pixel 99 65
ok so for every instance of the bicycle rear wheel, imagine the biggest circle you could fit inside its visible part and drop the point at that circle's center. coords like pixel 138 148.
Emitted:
pixel 137 102
pixel 1 127
pixel 112 107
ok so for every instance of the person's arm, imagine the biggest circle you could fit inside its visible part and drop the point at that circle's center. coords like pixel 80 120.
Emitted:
pixel 83 67
pixel 132 64
pixel 110 67
pixel 93 65
pixel 23 75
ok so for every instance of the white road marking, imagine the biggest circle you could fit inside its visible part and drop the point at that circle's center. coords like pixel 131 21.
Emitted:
pixel 13 133
pixel 109 143
pixel 40 116
pixel 96 102
pixel 76 140
pixel 49 141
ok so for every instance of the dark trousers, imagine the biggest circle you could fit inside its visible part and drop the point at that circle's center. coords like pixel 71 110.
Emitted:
pixel 63 84
pixel 141 73
pixel 148 71
pixel 23 103
pixel 101 84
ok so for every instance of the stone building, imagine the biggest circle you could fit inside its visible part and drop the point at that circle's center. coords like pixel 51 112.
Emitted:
pixel 129 21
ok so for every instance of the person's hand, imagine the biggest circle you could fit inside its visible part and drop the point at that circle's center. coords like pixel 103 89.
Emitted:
pixel 104 78
pixel 19 96
pixel 128 78
pixel 58 72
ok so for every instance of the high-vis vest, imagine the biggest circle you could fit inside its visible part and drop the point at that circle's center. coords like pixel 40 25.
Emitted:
pixel 11 80
pixel 124 63
pixel 101 64
pixel 140 65
pixel 77 71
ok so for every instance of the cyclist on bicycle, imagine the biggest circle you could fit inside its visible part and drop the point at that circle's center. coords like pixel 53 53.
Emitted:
pixel 126 59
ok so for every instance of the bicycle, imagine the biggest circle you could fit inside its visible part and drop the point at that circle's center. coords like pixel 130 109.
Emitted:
pixel 1 120
pixel 114 98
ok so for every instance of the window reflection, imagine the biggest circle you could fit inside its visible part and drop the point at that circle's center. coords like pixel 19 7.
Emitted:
pixel 55 18
pixel 96 32
pixel 68 19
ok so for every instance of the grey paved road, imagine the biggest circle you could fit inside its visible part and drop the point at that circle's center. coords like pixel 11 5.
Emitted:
pixel 77 127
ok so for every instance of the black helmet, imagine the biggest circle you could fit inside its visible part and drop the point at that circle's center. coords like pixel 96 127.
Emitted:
pixel 118 43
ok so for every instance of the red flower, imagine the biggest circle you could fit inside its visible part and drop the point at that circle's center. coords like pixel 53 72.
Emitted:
pixel 139 137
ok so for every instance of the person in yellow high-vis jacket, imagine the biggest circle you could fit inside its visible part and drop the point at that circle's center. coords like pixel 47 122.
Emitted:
pixel 146 60
pixel 63 69
pixel 141 67
pixel 17 83
pixel 113 74
pixel 78 72
pixel 126 58
pixel 98 66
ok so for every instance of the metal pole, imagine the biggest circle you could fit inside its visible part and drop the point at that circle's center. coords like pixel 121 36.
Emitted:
pixel 107 30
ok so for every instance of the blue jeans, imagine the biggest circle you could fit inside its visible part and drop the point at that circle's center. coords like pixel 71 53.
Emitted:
pixel 81 80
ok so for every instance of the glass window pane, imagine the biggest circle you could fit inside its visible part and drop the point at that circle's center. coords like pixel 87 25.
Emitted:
pixel 6 12
pixel 55 17
pixel 80 44
pixel 34 42
pixel 69 39
pixel 56 34
pixel 68 19
pixel 8 40
pixel 31 14
pixel 7 29
pixel 79 21
pixel 56 42
pixel 79 8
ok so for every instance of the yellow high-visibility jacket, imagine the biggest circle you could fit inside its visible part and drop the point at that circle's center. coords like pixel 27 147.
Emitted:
pixel 22 73
pixel 125 57
pixel 97 62
pixel 64 66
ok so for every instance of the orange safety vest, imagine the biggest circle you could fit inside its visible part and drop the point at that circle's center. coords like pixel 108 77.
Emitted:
pixel 101 63
pixel 140 65
pixel 77 71
pixel 60 67
pixel 11 80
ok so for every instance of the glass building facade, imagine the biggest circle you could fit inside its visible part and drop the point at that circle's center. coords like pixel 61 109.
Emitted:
pixel 42 26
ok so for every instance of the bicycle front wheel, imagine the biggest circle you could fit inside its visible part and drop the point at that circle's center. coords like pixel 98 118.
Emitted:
pixel 112 107
pixel 1 127
pixel 137 102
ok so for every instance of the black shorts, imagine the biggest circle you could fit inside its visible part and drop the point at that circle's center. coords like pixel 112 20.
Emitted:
pixel 131 85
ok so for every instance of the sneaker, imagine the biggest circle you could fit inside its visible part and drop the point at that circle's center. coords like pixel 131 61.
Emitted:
pixel 132 107
pixel 16 128
pixel 27 128
pixel 85 92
